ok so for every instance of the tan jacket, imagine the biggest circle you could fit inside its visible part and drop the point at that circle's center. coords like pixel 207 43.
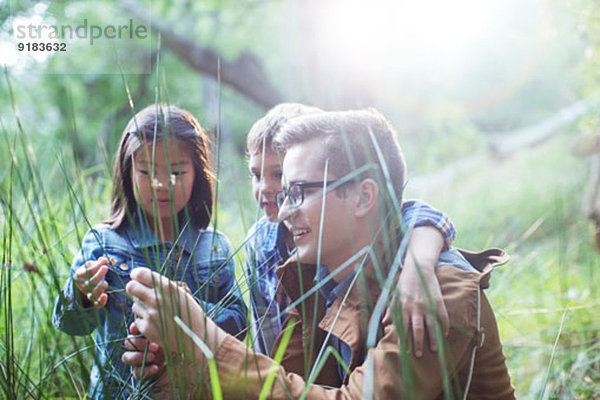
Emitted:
pixel 387 370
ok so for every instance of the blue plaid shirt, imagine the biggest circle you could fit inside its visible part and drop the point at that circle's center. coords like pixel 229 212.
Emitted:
pixel 332 290
pixel 265 250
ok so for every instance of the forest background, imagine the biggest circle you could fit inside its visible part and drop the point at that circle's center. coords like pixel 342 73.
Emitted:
pixel 487 98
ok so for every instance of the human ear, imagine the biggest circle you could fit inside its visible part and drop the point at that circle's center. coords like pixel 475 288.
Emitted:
pixel 368 193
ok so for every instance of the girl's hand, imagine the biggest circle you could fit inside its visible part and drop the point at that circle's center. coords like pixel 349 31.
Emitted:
pixel 134 356
pixel 89 279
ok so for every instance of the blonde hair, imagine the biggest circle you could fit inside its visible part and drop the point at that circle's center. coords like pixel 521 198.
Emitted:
pixel 260 137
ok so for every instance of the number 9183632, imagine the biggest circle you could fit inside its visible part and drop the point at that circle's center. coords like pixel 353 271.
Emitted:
pixel 42 46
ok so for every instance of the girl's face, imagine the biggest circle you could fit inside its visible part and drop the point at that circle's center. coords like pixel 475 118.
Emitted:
pixel 165 193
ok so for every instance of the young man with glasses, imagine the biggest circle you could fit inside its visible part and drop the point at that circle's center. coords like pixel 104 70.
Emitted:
pixel 344 176
pixel 268 243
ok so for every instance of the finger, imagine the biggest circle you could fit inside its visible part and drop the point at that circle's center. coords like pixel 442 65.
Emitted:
pixel 141 313
pixel 99 289
pixel 148 329
pixel 405 318
pixel 137 359
pixel 91 281
pixel 91 284
pixel 133 329
pixel 418 333
pixel 99 275
pixel 85 271
pixel 103 299
pixel 444 318
pixel 135 343
pixel 149 371
pixel 431 329
pixel 90 268
pixel 387 318
pixel 82 274
pixel 95 294
pixel 98 302
pixel 158 282
pixel 93 300
pixel 147 277
pixel 152 295
pixel 141 292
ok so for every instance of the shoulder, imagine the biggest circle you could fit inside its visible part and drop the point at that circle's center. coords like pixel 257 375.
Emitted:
pixel 413 207
pixel 262 234
pixel 460 292
pixel 214 240
pixel 461 284
pixel 262 227
pixel 103 235
pixel 100 232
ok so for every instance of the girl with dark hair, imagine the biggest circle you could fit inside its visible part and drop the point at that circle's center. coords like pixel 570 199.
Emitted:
pixel 161 208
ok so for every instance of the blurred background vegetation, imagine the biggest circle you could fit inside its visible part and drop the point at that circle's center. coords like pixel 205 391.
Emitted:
pixel 487 97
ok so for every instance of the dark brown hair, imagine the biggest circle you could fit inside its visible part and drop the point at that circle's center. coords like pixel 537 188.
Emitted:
pixel 264 130
pixel 351 140
pixel 154 123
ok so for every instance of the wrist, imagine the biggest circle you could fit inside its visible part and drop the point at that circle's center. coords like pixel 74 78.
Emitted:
pixel 425 264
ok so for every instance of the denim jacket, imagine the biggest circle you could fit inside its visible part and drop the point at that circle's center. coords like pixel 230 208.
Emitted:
pixel 200 258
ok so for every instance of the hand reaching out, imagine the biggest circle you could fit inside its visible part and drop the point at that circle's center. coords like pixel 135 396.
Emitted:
pixel 89 279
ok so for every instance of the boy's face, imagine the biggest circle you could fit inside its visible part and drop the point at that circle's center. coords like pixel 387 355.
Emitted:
pixel 301 164
pixel 171 188
pixel 265 170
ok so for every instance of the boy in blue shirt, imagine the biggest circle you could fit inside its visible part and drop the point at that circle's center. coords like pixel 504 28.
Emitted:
pixel 268 244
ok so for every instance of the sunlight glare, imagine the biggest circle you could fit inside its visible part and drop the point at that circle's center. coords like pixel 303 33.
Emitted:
pixel 8 54
pixel 380 30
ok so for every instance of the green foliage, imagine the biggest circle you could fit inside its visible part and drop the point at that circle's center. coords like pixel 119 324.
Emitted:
pixel 546 298
pixel 441 137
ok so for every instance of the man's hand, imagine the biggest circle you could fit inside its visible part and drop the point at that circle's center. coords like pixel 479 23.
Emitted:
pixel 89 279
pixel 134 356
pixel 420 293
pixel 158 301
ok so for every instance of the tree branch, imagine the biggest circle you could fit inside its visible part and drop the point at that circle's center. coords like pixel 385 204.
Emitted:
pixel 245 74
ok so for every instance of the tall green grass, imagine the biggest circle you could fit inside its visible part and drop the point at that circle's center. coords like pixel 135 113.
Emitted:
pixel 545 299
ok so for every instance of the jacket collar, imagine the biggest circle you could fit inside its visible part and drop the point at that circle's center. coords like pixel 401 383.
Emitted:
pixel 142 236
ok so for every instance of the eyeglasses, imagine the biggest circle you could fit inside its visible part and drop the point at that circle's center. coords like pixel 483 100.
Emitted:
pixel 295 193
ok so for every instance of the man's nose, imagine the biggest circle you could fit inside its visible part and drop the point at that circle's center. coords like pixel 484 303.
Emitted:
pixel 285 211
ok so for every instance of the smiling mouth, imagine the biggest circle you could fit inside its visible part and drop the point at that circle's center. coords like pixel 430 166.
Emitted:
pixel 270 205
pixel 299 234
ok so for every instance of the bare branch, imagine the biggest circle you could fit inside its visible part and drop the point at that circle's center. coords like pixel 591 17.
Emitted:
pixel 246 74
